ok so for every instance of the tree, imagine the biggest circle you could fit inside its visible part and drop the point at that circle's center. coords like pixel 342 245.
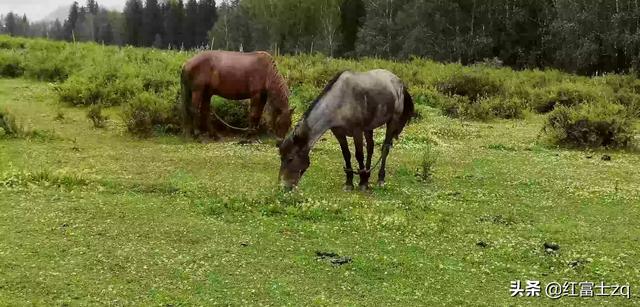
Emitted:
pixel 92 7
pixel 208 16
pixel 174 23
pixel 352 14
pixel 153 23
pixel 72 20
pixel 11 24
pixel 190 38
pixel 133 22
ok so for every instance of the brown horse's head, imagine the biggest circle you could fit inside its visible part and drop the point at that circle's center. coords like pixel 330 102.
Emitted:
pixel 282 123
pixel 294 159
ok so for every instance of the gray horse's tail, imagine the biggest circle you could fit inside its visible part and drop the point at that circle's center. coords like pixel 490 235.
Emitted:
pixel 407 111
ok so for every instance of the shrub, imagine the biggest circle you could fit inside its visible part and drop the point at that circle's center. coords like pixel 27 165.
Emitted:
pixel 235 113
pixel 302 96
pixel 507 108
pixel 629 100
pixel 8 125
pixel 483 109
pixel 473 85
pixel 564 94
pixel 97 118
pixel 11 64
pixel 598 124
pixel 50 65
pixel 147 114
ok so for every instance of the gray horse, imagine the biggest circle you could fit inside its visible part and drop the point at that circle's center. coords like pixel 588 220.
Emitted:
pixel 352 104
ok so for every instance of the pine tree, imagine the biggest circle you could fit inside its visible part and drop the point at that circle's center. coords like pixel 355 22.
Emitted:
pixel 191 24
pixel 352 14
pixel 133 22
pixel 153 23
pixel 208 17
pixel 72 20
pixel 10 24
pixel 174 23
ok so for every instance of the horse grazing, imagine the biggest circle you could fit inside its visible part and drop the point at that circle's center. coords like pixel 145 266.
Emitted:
pixel 352 104
pixel 235 76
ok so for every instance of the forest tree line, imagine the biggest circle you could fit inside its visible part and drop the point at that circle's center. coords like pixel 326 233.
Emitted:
pixel 582 36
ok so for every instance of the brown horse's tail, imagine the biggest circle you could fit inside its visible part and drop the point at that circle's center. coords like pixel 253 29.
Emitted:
pixel 187 110
pixel 407 111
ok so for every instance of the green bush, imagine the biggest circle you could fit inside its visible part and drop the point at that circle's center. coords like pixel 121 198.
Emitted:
pixel 598 124
pixel 147 114
pixel 11 64
pixel 564 94
pixel 629 100
pixel 473 85
pixel 234 113
pixel 50 66
pixel 483 109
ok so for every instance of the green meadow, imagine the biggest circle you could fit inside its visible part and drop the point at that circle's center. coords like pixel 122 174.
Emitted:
pixel 496 163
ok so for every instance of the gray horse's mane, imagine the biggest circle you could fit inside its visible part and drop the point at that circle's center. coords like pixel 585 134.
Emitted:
pixel 324 92
pixel 300 132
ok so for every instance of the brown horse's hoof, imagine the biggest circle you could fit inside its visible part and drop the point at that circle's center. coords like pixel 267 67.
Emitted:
pixel 381 183
pixel 249 141
pixel 209 139
pixel 348 187
pixel 364 187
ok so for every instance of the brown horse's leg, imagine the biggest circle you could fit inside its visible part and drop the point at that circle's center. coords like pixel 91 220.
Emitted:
pixel 208 124
pixel 196 104
pixel 344 146
pixel 364 173
pixel 255 112
pixel 206 117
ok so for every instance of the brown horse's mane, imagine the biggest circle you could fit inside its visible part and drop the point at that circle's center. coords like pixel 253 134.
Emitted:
pixel 278 86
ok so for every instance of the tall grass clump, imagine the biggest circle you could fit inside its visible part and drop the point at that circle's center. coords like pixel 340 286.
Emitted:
pixel 427 163
pixel 8 126
pixel 599 124
pixel 94 113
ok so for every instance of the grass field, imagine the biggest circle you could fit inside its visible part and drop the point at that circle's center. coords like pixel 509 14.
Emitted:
pixel 95 216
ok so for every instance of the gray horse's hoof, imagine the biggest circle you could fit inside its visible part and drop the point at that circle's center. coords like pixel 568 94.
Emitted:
pixel 381 183
pixel 348 187
pixel 364 187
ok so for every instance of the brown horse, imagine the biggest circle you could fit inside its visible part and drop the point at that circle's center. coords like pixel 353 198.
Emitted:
pixel 235 76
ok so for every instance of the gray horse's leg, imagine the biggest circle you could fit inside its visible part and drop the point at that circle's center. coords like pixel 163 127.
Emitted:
pixel 364 173
pixel 386 147
pixel 344 146
pixel 368 136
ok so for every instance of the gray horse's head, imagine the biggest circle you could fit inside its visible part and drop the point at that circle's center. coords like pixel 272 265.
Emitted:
pixel 294 158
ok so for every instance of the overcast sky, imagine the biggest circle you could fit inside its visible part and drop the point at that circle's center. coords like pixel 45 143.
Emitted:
pixel 38 9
